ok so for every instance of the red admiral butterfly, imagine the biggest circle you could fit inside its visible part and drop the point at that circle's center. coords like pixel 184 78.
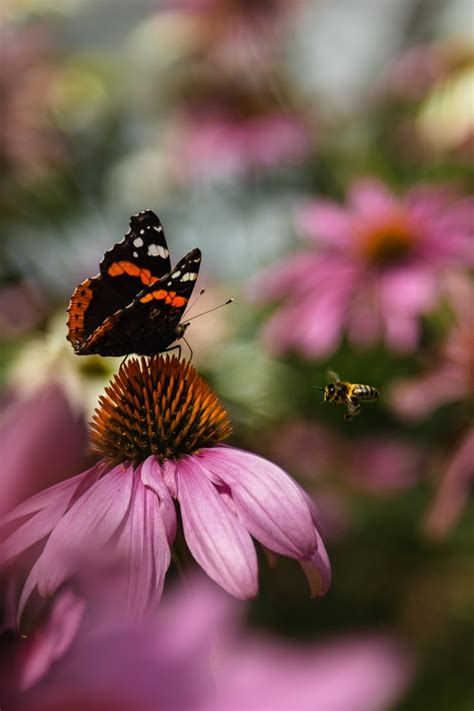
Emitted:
pixel 135 303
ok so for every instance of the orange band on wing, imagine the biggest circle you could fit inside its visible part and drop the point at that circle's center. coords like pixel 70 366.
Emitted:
pixel 160 294
pixel 178 301
pixel 78 305
pixel 169 297
pixel 119 268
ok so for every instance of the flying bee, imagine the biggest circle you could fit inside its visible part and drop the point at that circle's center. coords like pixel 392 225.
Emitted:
pixel 341 392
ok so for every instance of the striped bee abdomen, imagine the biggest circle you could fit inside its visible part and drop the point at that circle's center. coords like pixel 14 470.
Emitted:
pixel 364 392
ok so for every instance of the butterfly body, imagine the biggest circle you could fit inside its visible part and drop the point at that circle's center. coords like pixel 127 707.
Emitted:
pixel 136 302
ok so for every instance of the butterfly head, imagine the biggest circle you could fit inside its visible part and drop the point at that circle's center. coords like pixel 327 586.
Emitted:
pixel 181 329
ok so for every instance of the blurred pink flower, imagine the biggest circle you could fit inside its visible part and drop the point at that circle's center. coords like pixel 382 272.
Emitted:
pixel 454 489
pixel 41 439
pixel 237 35
pixel 450 380
pixel 379 464
pixel 159 428
pixel 382 465
pixel 216 143
pixel 372 272
pixel 193 655
pixel 51 639
pixel 29 145
pixel 22 308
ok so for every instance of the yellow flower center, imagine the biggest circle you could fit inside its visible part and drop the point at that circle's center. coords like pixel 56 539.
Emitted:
pixel 387 242
pixel 159 406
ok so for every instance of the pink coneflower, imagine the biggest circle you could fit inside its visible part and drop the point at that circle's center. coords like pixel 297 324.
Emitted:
pixel 194 654
pixel 158 429
pixel 230 130
pixel 215 143
pixel 372 271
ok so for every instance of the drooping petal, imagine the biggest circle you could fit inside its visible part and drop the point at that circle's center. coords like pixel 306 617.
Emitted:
pixel 151 476
pixel 268 501
pixel 217 540
pixel 46 509
pixel 143 552
pixel 318 570
pixel 87 526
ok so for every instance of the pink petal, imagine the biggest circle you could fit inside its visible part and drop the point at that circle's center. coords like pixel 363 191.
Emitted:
pixel 402 333
pixel 454 489
pixel 30 584
pixel 151 476
pixel 407 290
pixel 325 221
pixel 276 281
pixel 47 508
pixel 218 542
pixel 53 638
pixel 268 501
pixel 318 570
pixel 416 399
pixel 371 198
pixel 86 527
pixel 145 552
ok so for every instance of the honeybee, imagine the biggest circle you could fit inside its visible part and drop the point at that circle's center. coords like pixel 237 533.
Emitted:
pixel 349 394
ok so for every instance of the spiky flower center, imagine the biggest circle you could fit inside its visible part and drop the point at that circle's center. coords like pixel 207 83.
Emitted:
pixel 159 406
pixel 388 242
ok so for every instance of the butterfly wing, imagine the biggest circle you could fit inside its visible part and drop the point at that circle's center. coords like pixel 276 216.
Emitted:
pixel 148 324
pixel 139 260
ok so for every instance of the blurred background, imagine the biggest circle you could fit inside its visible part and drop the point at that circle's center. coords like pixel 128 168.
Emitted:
pixel 320 155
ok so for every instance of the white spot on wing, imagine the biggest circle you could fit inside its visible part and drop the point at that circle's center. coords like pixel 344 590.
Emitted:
pixel 158 229
pixel 135 254
pixel 142 232
pixel 176 274
pixel 156 250
pixel 138 242
pixel 189 276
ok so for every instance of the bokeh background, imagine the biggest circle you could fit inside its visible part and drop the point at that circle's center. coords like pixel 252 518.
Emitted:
pixel 243 124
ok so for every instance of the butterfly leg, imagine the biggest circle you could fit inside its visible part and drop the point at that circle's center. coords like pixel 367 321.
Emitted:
pixel 191 352
pixel 176 347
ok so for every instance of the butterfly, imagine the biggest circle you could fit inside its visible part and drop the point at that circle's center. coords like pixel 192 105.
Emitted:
pixel 136 302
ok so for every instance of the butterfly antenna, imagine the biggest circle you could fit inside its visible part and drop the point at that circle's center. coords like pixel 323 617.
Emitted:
pixel 195 300
pixel 229 301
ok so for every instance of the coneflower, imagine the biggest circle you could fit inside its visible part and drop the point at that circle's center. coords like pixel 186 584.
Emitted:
pixel 159 429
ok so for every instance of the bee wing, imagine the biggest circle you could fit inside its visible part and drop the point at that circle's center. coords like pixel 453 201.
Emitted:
pixel 332 376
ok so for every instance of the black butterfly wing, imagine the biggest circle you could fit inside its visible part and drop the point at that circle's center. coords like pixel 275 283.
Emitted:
pixel 147 325
pixel 139 260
